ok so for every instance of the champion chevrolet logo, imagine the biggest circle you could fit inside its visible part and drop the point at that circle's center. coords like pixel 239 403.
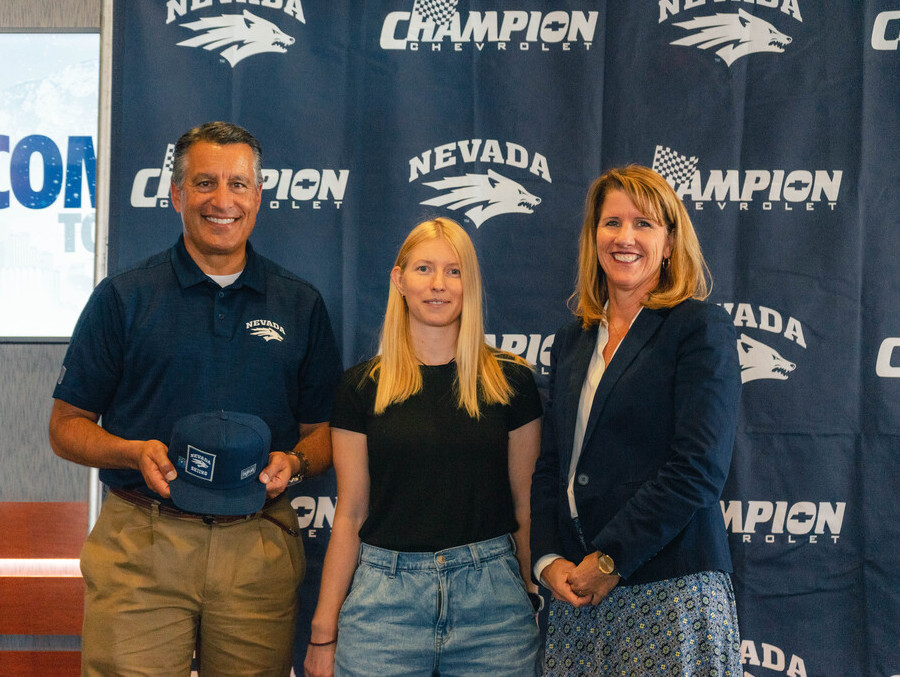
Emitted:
pixel 436 25
pixel 284 188
pixel 784 189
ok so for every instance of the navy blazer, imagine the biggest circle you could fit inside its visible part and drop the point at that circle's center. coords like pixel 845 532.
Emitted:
pixel 657 446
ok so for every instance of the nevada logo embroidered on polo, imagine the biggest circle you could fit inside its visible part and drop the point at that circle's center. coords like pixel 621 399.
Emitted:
pixel 267 330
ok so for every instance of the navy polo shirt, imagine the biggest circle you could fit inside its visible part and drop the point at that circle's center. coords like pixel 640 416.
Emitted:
pixel 162 340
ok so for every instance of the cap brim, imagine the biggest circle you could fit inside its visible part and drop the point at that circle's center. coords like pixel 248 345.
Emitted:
pixel 204 501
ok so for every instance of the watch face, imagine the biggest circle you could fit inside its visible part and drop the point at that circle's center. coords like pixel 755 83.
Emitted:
pixel 605 563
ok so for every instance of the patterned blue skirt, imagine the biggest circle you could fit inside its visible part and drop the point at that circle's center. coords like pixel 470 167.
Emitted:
pixel 681 626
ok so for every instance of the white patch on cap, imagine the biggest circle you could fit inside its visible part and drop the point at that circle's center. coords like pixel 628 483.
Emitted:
pixel 200 464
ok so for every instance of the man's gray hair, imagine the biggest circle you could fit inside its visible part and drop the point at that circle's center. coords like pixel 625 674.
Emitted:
pixel 221 133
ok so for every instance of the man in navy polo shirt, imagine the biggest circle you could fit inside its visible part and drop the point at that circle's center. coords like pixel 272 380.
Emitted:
pixel 207 325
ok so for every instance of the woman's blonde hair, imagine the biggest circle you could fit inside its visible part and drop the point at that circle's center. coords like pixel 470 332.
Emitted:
pixel 685 276
pixel 479 375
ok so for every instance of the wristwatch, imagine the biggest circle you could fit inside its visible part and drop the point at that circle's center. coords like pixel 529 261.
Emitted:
pixel 606 565
pixel 304 466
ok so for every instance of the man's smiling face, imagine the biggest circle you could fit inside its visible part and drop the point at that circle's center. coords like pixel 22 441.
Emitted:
pixel 218 202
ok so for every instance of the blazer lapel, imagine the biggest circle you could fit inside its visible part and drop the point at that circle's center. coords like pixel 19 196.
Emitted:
pixel 581 359
pixel 643 328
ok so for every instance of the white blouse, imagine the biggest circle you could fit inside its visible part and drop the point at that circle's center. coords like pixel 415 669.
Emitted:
pixel 595 371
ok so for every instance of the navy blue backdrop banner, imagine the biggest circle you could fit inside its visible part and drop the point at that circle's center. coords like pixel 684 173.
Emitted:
pixel 777 121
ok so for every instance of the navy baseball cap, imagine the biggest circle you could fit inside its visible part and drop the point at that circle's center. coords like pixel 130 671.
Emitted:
pixel 218 457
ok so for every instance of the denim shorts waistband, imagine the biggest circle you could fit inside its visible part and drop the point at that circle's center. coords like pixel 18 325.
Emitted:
pixel 459 556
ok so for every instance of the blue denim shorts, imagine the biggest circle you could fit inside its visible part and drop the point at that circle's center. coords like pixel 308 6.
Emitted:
pixel 460 611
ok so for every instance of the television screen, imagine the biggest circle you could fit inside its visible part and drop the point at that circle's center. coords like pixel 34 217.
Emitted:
pixel 49 90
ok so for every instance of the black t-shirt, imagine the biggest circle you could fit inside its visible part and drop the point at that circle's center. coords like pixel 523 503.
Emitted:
pixel 438 477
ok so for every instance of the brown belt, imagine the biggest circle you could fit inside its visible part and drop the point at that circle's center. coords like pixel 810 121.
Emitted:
pixel 144 501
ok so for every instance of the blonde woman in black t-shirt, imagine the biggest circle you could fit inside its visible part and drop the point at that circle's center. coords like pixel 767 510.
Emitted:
pixel 435 441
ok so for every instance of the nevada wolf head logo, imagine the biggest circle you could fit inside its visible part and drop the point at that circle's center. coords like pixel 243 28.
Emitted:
pixel 735 35
pixel 246 33
pixel 267 334
pixel 760 361
pixel 502 195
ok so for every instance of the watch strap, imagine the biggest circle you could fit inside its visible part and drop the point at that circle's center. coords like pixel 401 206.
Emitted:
pixel 304 466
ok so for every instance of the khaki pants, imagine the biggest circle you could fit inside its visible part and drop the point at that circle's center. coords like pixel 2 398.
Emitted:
pixel 153 583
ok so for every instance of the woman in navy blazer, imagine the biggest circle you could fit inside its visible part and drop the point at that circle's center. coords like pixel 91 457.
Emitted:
pixel 626 530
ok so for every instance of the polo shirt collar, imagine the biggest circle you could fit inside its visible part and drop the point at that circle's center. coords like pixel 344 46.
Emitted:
pixel 189 274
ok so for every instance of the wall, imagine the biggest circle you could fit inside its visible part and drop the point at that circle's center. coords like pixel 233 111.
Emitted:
pixel 31 472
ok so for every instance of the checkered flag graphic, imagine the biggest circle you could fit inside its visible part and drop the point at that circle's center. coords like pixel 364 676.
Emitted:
pixel 169 161
pixel 674 167
pixel 168 165
pixel 439 11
